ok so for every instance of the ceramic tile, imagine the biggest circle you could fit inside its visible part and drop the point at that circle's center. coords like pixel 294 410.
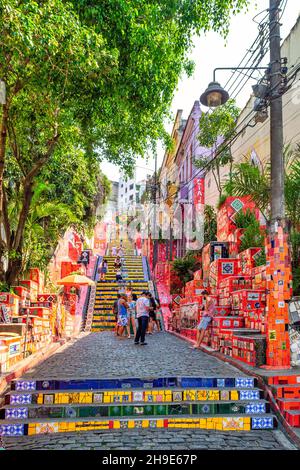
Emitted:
pixel 255 408
pixel 25 385
pixel 12 429
pixel 244 382
pixel 262 423
pixel 16 413
pixel 24 399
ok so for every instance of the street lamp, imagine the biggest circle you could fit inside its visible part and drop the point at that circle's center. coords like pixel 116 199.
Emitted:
pixel 215 95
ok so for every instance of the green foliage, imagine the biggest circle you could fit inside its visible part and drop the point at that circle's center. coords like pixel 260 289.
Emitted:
pixel 216 128
pixel 261 259
pixel 252 237
pixel 244 218
pixel 210 224
pixel 185 267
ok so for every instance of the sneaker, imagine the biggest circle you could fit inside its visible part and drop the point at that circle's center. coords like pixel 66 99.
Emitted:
pixel 136 343
pixel 143 344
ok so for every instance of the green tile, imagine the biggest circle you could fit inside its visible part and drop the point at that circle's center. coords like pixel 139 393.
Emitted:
pixel 114 411
pixel 178 409
pixel 127 411
pixel 161 410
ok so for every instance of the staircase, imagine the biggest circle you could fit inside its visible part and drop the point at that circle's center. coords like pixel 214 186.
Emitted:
pixel 286 390
pixel 52 406
pixel 133 271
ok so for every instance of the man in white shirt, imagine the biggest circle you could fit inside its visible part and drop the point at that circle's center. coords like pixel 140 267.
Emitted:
pixel 142 315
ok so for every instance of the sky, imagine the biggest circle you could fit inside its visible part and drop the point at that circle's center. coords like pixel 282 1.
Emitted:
pixel 211 51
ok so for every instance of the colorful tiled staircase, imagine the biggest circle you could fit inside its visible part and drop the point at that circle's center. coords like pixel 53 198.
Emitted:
pixel 133 270
pixel 286 390
pixel 51 406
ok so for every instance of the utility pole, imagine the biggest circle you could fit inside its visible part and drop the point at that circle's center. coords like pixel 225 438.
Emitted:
pixel 276 117
pixel 278 268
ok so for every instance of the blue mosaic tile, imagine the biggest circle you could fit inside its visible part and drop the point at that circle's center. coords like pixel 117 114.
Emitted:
pixel 191 382
pixel 229 382
pixel 24 399
pixel 255 408
pixel 220 382
pixel 12 429
pixel 249 394
pixel 262 423
pixel 245 382
pixel 23 385
pixel 16 413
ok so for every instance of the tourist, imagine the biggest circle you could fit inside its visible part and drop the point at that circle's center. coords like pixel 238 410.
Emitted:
pixel 118 263
pixel 115 312
pixel 142 314
pixel 103 270
pixel 129 291
pixel 204 322
pixel 123 316
pixel 120 252
pixel 119 277
pixel 154 305
pixel 132 312
pixel 114 251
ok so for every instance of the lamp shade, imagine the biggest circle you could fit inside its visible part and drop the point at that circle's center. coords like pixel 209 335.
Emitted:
pixel 214 95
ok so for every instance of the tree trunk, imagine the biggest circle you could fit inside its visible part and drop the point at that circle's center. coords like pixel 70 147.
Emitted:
pixel 3 138
pixel 15 264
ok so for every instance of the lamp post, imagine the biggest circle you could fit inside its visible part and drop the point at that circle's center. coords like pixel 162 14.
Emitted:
pixel 278 269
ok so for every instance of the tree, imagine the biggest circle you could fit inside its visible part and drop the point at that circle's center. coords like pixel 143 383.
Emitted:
pixel 216 128
pixel 47 80
pixel 185 267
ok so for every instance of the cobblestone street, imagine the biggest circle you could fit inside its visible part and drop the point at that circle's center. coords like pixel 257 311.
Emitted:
pixel 102 355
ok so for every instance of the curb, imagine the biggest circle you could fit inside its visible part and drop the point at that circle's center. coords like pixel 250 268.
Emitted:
pixel 275 408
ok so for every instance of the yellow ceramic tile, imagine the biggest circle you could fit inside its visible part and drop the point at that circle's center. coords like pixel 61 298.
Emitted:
pixel 213 395
pixel 202 395
pixel 40 398
pixel 116 424
pixel 160 423
pixel 145 423
pixel 31 429
pixel 234 395
pixel 247 427
pixel 106 399
pixel 72 426
pixel 202 423
pixel 130 424
pixel 247 420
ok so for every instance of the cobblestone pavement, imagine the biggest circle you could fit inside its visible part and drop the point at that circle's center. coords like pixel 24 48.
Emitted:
pixel 102 355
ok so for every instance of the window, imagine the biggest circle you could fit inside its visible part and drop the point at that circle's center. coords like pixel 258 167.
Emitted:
pixel 131 198
pixel 131 186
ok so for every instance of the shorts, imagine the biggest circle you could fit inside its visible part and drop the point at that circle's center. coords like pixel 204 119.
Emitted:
pixel 152 315
pixel 204 322
pixel 122 321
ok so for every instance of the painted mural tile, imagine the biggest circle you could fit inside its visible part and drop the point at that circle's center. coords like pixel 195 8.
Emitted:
pixel 16 413
pixel 177 396
pixel 48 399
pixel 227 268
pixel 124 424
pixel 205 409
pixel 178 409
pixel 244 382
pixel 74 398
pixel 46 428
pixel 25 385
pixel 220 382
pixel 71 412
pixel 138 410
pixel 98 398
pixel 262 423
pixel 127 411
pixel 153 423
pixel 224 395
pixel 11 429
pixel 150 398
pixel 233 424
pixel 207 383
pixel 138 396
